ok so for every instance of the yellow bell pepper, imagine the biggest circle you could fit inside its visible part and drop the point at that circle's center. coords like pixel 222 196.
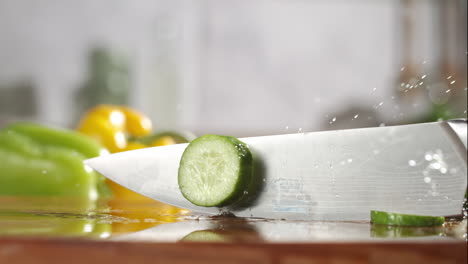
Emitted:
pixel 114 126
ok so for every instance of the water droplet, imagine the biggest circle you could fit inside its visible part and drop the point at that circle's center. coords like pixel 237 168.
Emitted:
pixel 378 105
pixel 44 171
pixel 299 130
pixel 448 91
pixel 356 116
pixel 381 124
pixel 427 179
pixel 376 151
pixel 452 82
pixel 337 195
pixel 286 128
pixel 421 83
pixel 330 165
pixel 246 192
pixel 333 120
pixel 374 89
pixel 412 163
pixel 402 68
pixel 424 76
pixel 424 62
pixel 350 160
pixel 449 77
pixel 428 157
pixel 435 165
pixel 453 170
pixel 443 170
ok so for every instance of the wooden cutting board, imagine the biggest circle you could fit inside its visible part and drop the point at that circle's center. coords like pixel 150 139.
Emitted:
pixel 14 250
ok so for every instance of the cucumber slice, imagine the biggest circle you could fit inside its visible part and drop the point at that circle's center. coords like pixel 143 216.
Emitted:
pixel 215 171
pixel 384 218
pixel 205 236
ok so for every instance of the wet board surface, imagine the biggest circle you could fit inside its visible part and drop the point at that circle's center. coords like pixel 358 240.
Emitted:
pixel 51 230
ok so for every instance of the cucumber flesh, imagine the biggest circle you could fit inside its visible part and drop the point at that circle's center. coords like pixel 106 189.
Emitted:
pixel 384 218
pixel 215 171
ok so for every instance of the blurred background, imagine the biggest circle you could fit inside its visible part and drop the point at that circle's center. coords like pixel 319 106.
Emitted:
pixel 242 68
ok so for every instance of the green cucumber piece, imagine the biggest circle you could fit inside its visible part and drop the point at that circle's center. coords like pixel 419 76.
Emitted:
pixel 215 171
pixel 384 218
pixel 205 236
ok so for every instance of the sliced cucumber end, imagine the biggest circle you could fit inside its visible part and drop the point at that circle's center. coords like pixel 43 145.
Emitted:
pixel 215 170
pixel 385 218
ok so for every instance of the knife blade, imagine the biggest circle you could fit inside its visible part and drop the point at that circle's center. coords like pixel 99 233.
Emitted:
pixel 331 176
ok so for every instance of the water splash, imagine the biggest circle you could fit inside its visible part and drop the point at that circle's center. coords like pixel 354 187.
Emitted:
pixel 379 105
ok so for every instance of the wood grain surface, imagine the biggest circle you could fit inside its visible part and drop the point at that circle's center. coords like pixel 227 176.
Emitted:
pixel 14 250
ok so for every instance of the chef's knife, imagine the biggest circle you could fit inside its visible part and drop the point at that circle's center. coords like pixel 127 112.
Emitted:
pixel 333 175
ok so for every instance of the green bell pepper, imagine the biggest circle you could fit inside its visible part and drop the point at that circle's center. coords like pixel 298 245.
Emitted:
pixel 40 161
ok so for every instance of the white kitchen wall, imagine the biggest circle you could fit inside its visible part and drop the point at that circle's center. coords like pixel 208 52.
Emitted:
pixel 233 67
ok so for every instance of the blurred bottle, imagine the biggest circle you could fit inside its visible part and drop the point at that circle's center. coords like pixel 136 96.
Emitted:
pixel 448 87
pixel 108 82
pixel 434 90
pixel 18 101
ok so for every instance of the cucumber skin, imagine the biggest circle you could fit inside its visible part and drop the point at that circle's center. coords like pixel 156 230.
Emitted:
pixel 245 170
pixel 384 218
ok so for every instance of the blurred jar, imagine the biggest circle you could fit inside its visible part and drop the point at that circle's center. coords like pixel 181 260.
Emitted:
pixel 108 81
pixel 18 101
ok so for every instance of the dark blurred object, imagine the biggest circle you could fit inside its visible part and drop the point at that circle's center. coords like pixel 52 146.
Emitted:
pixel 108 81
pixel 17 102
